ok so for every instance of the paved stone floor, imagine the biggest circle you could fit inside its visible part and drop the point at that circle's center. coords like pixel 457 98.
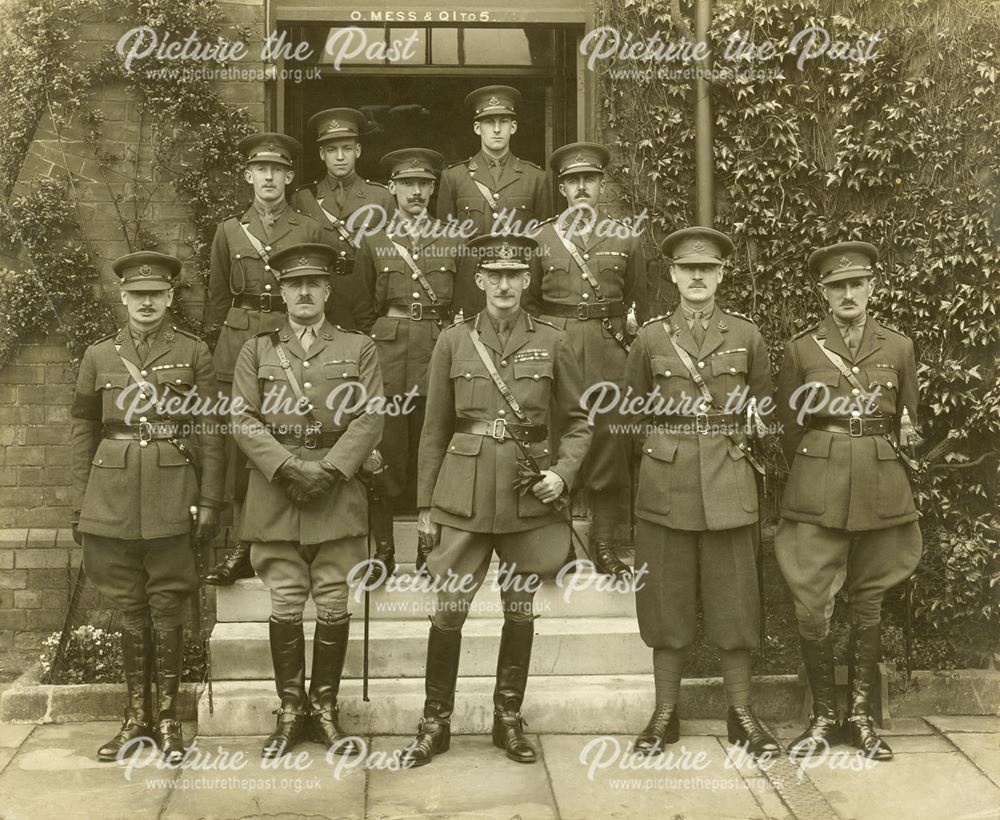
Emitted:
pixel 945 767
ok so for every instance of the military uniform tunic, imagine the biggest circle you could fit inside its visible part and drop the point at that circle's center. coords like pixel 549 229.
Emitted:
pixel 518 196
pixel 350 303
pixel 619 266
pixel 134 497
pixel 843 488
pixel 697 497
pixel 405 343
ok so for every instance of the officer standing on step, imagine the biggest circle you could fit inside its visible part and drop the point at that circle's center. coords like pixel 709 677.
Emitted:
pixel 847 511
pixel 243 293
pixel 137 472
pixel 333 200
pixel 410 267
pixel 305 428
pixel 492 191
pixel 697 496
pixel 489 482
pixel 590 271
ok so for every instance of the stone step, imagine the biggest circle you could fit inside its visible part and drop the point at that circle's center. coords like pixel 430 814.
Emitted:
pixel 585 704
pixel 582 594
pixel 398 649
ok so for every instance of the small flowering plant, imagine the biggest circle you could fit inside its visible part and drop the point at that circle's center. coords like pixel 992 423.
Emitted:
pixel 91 655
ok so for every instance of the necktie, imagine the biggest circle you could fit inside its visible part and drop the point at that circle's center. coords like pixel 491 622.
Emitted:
pixel 267 220
pixel 504 333
pixel 307 338
pixel 142 346
pixel 338 197
pixel 495 170
pixel 698 327
pixel 853 339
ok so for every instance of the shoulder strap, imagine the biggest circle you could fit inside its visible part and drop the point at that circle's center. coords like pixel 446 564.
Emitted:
pixel 501 385
pixel 257 244
pixel 293 383
pixel 595 285
pixel 841 365
pixel 706 394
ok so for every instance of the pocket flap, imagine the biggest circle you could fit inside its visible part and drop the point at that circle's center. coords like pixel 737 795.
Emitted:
pixel 533 370
pixel 111 453
pixel 883 449
pixel 734 363
pixel 170 456
pixel 815 444
pixel 465 444
pixel 885 377
pixel 662 448
pixel 466 369
pixel 666 366
pixel 828 377
pixel 237 318
pixel 109 381
pixel 385 328
pixel 271 373
pixel 180 378
pixel 342 370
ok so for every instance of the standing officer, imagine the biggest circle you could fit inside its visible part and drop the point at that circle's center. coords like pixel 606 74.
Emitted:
pixel 242 293
pixel 332 201
pixel 493 191
pixel 847 508
pixel 409 266
pixel 697 496
pixel 137 471
pixel 306 431
pixel 590 271
pixel 488 481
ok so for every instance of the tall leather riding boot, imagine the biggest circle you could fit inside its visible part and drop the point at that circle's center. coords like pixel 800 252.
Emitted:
pixel 288 654
pixel 444 648
pixel 513 660
pixel 604 509
pixel 823 730
pixel 235 565
pixel 169 648
pixel 385 542
pixel 136 730
pixel 329 650
pixel 864 650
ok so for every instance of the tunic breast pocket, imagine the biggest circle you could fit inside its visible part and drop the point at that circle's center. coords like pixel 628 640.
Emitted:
pixel 555 279
pixel 533 384
pixel 472 385
pixel 342 391
pixel 175 380
pixel 672 378
pixel 729 376
pixel 276 395
pixel 886 381
pixel 611 276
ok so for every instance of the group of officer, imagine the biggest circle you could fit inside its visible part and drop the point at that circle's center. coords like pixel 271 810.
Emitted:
pixel 491 341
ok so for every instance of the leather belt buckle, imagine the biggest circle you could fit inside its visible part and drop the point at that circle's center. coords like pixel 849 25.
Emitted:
pixel 583 310
pixel 265 303
pixel 145 433
pixel 701 424
pixel 499 429
pixel 416 311
pixel 855 426
pixel 310 439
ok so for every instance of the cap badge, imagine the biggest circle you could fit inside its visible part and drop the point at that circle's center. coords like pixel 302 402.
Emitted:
pixel 272 147
pixel 579 158
pixel 145 270
pixel 303 260
pixel 415 163
pixel 699 245
pixel 493 101
pixel 506 251
pixel 844 262
pixel 334 126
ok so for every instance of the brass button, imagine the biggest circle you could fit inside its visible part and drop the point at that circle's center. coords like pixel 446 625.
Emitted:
pixel 855 392
pixel 452 447
pixel 415 295
pixel 143 443
pixel 305 364
pixel 545 449
pixel 701 365
pixel 495 215
pixel 343 375
pixel 413 276
pixel 307 385
pixel 100 461
pixel 732 369
pixel 583 276
pixel 586 296
pixel 142 419
pixel 649 449
pixel 805 449
pixel 855 369
pixel 586 256
pixel 142 372
pixel 667 373
pixel 888 384
pixel 267 267
pixel 855 413
pixel 385 270
pixel 108 384
pixel 502 412
pixel 496 196
pixel 535 377
pixel 267 287
pixel 443 268
pixel 177 381
pixel 343 253
pixel 415 254
pixel 267 248
pixel 468 376
pixel 503 362
pixel 271 378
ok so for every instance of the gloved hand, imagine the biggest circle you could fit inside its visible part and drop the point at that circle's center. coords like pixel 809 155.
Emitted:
pixel 208 524
pixel 428 532
pixel 308 476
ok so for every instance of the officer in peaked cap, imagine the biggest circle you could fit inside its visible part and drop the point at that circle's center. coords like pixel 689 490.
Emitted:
pixel 848 510
pixel 138 468
pixel 492 191
pixel 243 292
pixel 306 512
pixel 409 266
pixel 334 199
pixel 697 495
pixel 590 271
pixel 477 492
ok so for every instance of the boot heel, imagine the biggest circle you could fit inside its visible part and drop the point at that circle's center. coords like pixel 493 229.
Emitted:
pixel 673 732
pixel 445 744
pixel 499 736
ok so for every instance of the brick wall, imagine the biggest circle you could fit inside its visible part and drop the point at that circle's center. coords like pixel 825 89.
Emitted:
pixel 38 559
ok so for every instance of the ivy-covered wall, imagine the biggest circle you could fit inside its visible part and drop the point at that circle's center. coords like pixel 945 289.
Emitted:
pixel 151 162
pixel 900 150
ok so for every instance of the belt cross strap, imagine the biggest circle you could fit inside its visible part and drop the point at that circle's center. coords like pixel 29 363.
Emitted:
pixel 501 385
pixel 709 399
pixel 337 224
pixel 593 282
pixel 257 244
pixel 314 425
pixel 418 275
